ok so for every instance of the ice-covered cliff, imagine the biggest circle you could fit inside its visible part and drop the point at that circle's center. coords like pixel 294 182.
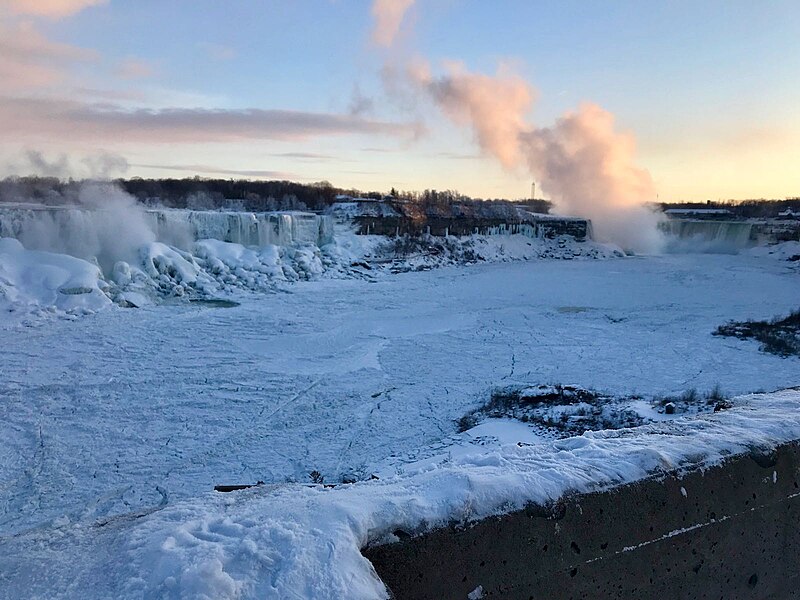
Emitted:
pixel 116 233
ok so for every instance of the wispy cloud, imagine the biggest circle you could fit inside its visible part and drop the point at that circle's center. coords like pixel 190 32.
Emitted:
pixel 39 164
pixel 51 9
pixel 459 156
pixel 29 60
pixel 29 118
pixel 388 15
pixel 493 105
pixel 359 103
pixel 259 173
pixel 134 68
pixel 217 52
pixel 311 156
pixel 381 150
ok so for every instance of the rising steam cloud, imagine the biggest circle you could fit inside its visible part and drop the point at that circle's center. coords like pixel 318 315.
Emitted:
pixel 583 163
pixel 105 224
pixel 589 169
pixel 494 106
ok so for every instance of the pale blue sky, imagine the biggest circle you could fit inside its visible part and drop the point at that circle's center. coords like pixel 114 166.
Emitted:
pixel 710 89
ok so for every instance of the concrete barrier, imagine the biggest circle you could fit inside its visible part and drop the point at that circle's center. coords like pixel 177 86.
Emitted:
pixel 729 531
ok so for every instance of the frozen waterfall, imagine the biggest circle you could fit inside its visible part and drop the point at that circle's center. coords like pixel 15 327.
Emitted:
pixel 108 235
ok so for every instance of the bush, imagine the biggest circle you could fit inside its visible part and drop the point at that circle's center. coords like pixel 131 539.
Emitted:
pixel 467 422
pixel 779 336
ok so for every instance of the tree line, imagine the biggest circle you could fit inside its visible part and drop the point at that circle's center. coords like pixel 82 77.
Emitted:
pixel 260 196
pixel 254 196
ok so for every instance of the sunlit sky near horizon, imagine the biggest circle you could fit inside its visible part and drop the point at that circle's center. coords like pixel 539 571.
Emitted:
pixel 306 91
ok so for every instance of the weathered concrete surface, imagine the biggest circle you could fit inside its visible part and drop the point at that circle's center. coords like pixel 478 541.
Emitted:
pixel 731 531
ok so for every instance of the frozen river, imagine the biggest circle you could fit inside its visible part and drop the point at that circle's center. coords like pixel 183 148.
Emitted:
pixel 128 409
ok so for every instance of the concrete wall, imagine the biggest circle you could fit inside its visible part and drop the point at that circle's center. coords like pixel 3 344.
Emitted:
pixel 731 531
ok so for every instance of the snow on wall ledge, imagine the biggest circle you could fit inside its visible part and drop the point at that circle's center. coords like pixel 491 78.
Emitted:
pixel 295 541
pixel 725 531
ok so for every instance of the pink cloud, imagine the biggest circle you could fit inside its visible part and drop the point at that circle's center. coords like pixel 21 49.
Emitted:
pixel 29 60
pixel 52 9
pixel 583 162
pixel 68 120
pixel 493 105
pixel 388 15
pixel 210 169
pixel 134 68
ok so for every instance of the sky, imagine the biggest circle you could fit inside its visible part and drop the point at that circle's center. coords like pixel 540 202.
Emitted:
pixel 701 99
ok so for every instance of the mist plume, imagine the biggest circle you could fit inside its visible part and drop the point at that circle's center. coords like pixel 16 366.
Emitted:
pixel 582 162
pixel 104 224
pixel 585 165
pixel 494 106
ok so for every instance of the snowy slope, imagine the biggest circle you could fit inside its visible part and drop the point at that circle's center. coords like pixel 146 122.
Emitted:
pixel 291 541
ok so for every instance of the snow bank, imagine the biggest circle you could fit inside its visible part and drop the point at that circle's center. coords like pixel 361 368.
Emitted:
pixel 34 281
pixel 782 251
pixel 294 541
pixel 44 282
pixel 212 268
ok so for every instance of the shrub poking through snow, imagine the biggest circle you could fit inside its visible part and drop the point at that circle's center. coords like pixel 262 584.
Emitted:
pixel 569 410
pixel 779 336
pixel 424 252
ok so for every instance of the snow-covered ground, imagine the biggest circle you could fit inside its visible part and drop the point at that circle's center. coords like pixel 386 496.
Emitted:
pixel 117 425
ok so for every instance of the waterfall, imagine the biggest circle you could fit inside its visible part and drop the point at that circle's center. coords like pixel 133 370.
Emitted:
pixel 111 235
pixel 684 235
pixel 182 227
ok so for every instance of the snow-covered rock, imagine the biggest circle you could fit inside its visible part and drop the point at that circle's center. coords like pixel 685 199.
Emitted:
pixel 43 281
pixel 782 251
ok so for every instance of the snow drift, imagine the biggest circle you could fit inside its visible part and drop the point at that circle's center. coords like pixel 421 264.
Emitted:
pixel 47 282
pixel 295 541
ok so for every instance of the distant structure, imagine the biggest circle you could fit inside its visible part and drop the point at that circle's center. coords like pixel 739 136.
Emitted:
pixel 699 213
